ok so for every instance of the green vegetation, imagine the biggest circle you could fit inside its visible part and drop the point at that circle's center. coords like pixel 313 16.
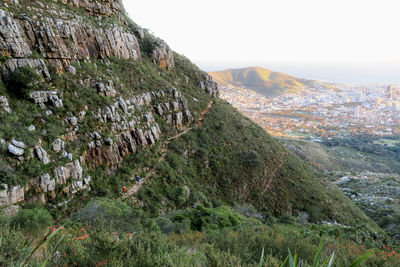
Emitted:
pixel 374 165
pixel 225 192
pixel 231 160
pixel 125 236
pixel 22 81
pixel 32 220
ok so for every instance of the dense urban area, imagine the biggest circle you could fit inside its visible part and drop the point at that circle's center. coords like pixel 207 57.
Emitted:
pixel 355 109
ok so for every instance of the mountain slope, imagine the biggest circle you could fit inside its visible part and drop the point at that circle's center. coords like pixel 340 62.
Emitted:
pixel 98 122
pixel 263 81
pixel 87 100
pixel 231 159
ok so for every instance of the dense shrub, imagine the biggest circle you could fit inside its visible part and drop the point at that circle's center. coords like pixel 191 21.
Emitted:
pixel 113 214
pixel 202 218
pixel 22 80
pixel 7 174
pixel 32 220
pixel 13 246
pixel 251 159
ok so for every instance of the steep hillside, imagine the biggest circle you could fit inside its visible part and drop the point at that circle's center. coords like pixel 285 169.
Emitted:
pixel 230 159
pixel 263 81
pixel 89 101
pixel 90 112
pixel 79 93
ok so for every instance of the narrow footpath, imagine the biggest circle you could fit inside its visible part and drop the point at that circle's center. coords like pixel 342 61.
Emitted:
pixel 271 178
pixel 164 151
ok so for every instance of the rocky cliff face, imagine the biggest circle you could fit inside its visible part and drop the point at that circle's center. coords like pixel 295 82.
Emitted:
pixel 59 39
pixel 60 36
pixel 102 7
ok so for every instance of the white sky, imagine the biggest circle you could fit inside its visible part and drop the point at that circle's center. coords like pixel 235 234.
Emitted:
pixel 275 30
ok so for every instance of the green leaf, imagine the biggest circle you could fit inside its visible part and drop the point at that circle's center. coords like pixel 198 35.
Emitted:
pixel 45 241
pixel 260 264
pixel 285 261
pixel 296 259
pixel 331 260
pixel 361 259
pixel 318 254
pixel 291 261
pixel 44 263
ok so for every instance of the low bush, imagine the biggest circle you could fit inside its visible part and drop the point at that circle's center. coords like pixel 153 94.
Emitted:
pixel 13 246
pixel 32 220
pixel 22 80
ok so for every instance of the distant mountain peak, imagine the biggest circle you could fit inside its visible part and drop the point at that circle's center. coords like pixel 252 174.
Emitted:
pixel 261 80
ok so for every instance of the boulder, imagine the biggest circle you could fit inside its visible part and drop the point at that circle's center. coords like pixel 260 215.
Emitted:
pixel 106 89
pixel 18 143
pixel 75 169
pixel 62 174
pixel 139 34
pixel 46 183
pixel 42 154
pixel 16 148
pixel 86 180
pixel 4 104
pixel 43 97
pixel 76 186
pixel 162 55
pixel 72 70
pixel 72 120
pixel 58 145
pixel 12 195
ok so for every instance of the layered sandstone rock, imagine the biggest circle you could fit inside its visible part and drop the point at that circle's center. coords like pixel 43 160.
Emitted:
pixel 11 195
pixel 61 39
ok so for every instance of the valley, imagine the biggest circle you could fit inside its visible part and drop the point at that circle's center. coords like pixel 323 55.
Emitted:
pixel 349 132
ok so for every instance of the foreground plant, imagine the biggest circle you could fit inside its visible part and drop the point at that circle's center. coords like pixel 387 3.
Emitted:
pixel 295 261
pixel 52 232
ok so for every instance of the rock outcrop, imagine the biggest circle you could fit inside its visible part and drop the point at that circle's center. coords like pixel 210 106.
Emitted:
pixel 71 170
pixel 209 86
pixel 4 104
pixel 43 97
pixel 46 183
pixel 16 148
pixel 13 64
pixel 42 155
pixel 162 54
pixel 11 195
pixel 58 145
pixel 64 38
pixel 107 89
pixel 12 42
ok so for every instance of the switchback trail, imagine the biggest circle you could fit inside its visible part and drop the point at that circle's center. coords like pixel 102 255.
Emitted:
pixel 271 178
pixel 164 150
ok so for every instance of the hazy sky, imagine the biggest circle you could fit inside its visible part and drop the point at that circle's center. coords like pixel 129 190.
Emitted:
pixel 360 32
